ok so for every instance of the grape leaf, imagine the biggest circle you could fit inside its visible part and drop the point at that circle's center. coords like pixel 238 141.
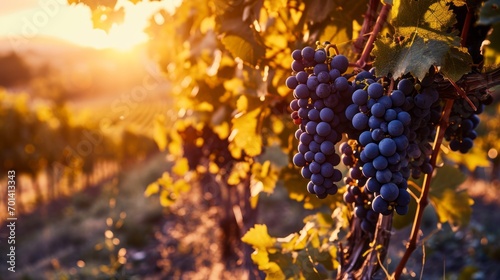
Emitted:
pixel 476 157
pixel 451 206
pixel 456 62
pixel 258 237
pixel 263 179
pixel 244 135
pixel 417 54
pixel 458 3
pixel 489 13
pixel 242 48
pixel 433 15
pixel 160 132
pixel 422 29
pixel 151 189
pixel 181 167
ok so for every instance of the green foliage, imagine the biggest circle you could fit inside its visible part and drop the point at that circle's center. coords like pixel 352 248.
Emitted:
pixel 302 255
pixel 452 206
pixel 422 39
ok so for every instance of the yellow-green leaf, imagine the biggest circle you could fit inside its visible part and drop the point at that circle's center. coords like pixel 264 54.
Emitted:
pixel 152 188
pixel 181 167
pixel 246 50
pixel 258 237
pixel 244 134
pixel 476 157
pixel 451 206
pixel 165 198
pixel 160 132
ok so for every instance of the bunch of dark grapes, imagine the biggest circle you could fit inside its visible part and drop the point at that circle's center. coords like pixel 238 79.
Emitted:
pixel 319 90
pixel 389 126
pixel 423 104
pixel 464 120
pixel 384 137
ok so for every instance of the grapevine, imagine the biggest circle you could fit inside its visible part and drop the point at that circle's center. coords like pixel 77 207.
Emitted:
pixel 360 120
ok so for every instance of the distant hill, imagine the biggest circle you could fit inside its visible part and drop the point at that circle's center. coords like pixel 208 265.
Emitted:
pixel 79 72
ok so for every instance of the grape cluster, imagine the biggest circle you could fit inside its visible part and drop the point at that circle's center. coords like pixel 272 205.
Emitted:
pixel 464 120
pixel 424 108
pixel 318 90
pixel 384 137
pixel 390 126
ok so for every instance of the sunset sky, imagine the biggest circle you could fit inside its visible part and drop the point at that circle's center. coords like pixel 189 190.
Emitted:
pixel 28 19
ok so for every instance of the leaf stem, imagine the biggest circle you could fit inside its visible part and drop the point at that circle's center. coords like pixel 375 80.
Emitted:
pixel 382 17
pixel 423 201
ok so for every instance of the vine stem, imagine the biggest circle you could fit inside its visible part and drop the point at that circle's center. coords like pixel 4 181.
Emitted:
pixel 382 17
pixel 367 25
pixel 423 200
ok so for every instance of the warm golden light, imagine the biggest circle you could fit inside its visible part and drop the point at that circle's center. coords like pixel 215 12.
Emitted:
pixel 55 18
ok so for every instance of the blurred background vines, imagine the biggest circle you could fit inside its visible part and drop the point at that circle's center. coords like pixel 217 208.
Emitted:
pixel 227 140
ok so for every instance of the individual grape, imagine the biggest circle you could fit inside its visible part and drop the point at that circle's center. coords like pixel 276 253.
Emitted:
pixel 383 176
pixel 297 55
pixel 387 147
pixel 301 91
pixel 341 84
pixel 373 185
pixel 375 90
pixel 327 148
pixel 326 114
pixel 298 160
pixel 309 156
pixel 323 129
pixel 323 90
pixel 380 163
pixel 406 86
pixel 380 205
pixel 369 170
pixel 360 97
pixel 320 56
pixel 371 150
pixel 297 66
pixel 386 101
pixel 389 191
pixel 308 53
pixel 312 83
pixel 291 82
pixel 398 98
pixel 319 190
pixel 360 121
pixel 320 158
pixel 378 110
pixel 340 63
pixel 302 77
pixel 311 127
pixel 395 128
pixel 323 77
pixel 317 179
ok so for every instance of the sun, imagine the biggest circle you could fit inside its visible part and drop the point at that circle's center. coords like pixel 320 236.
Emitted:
pixel 73 23
pixel 125 36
